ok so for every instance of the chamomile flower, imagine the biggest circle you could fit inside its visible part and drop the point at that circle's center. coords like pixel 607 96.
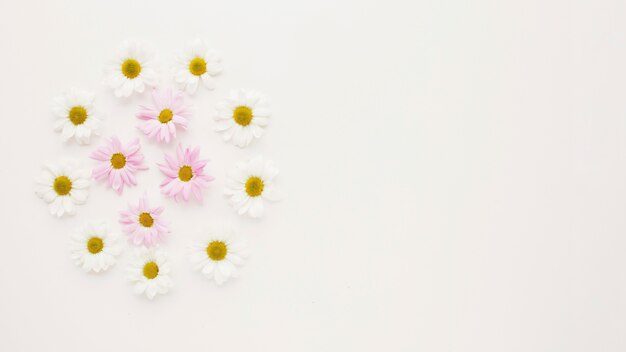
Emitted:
pixel 184 176
pixel 131 71
pixel 168 113
pixel 250 184
pixel 149 271
pixel 219 256
pixel 94 247
pixel 144 224
pixel 63 186
pixel 118 163
pixel 198 63
pixel 242 117
pixel 76 116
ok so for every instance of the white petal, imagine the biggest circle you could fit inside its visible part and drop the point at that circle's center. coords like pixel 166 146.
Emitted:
pixel 207 270
pixel 78 196
pixel 256 209
pixel 192 84
pixel 68 205
pixel 208 81
pixel 55 206
pixel 68 131
pixel 270 193
pixel 151 290
pixel 49 196
pixel 139 288
pixel 269 172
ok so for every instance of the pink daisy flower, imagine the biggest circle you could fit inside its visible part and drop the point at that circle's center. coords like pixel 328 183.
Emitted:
pixel 161 120
pixel 185 174
pixel 143 223
pixel 118 163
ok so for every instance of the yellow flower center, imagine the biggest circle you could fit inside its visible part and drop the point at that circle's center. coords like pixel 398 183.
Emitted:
pixel 185 173
pixel 217 250
pixel 166 116
pixel 254 186
pixel 131 68
pixel 150 270
pixel 118 160
pixel 77 115
pixel 242 115
pixel 62 185
pixel 197 66
pixel 95 245
pixel 146 219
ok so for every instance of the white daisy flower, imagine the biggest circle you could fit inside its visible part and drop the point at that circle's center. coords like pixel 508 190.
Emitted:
pixel 63 186
pixel 131 71
pixel 242 117
pixel 149 270
pixel 76 116
pixel 218 257
pixel 199 62
pixel 94 247
pixel 250 184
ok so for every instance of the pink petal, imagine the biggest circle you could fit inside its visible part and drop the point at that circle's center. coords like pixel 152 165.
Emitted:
pixel 173 164
pixel 194 154
pixel 101 171
pixel 176 187
pixel 167 171
pixel 197 193
pixel 180 121
pixel 115 143
pixel 101 155
pixel 198 165
pixel 132 148
pixel 186 191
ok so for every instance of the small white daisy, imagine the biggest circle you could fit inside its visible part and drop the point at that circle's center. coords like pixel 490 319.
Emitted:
pixel 242 117
pixel 250 184
pixel 199 62
pixel 94 247
pixel 149 270
pixel 218 257
pixel 76 116
pixel 131 71
pixel 63 186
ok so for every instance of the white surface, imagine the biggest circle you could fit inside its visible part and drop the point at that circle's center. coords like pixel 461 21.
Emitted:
pixel 454 170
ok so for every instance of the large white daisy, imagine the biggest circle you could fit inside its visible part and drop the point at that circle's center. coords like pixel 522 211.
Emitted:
pixel 63 186
pixel 218 256
pixel 198 63
pixel 242 116
pixel 131 71
pixel 94 247
pixel 250 184
pixel 149 271
pixel 76 116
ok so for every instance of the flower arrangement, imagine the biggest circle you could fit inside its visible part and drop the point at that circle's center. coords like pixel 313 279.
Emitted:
pixel 240 118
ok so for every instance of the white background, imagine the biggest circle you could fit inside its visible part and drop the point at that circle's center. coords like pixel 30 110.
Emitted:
pixel 454 175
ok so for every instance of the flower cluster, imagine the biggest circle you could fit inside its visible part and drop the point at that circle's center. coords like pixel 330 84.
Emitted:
pixel 240 118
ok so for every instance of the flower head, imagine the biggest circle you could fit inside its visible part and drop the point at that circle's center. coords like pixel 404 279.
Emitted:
pixel 144 224
pixel 251 183
pixel 118 163
pixel 149 271
pixel 184 174
pixel 94 247
pixel 76 116
pixel 63 186
pixel 242 117
pixel 218 256
pixel 131 70
pixel 196 64
pixel 167 113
